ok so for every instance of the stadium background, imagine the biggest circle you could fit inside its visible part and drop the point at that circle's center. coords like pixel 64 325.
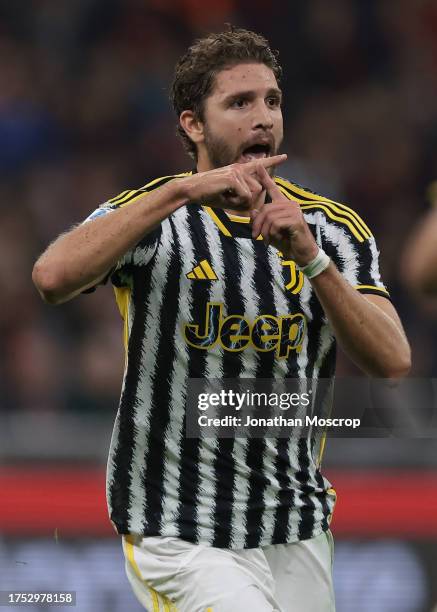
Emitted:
pixel 84 114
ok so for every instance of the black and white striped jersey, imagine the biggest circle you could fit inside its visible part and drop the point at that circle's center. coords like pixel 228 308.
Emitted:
pixel 178 291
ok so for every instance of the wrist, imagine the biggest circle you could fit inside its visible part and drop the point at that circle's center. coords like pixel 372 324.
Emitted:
pixel 316 266
pixel 178 192
pixel 304 256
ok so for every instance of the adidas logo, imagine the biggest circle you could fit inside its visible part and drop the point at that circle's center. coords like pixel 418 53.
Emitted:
pixel 202 272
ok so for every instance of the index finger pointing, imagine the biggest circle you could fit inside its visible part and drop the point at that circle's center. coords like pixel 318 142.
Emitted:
pixel 275 160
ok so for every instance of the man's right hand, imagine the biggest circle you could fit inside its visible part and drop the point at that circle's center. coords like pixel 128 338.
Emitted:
pixel 236 186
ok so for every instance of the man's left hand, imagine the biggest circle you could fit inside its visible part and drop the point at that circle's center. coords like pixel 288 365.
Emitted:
pixel 281 223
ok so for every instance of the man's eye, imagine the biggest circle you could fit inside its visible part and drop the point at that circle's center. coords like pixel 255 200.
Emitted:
pixel 239 103
pixel 273 101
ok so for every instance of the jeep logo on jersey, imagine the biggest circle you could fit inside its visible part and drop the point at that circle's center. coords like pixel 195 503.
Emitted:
pixel 236 333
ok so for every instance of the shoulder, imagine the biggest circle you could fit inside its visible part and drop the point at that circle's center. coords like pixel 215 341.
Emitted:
pixel 131 195
pixel 323 211
pixel 128 196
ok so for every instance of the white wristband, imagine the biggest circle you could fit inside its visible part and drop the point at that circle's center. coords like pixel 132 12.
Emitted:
pixel 320 262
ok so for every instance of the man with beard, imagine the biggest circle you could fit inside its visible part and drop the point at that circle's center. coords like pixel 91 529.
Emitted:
pixel 214 282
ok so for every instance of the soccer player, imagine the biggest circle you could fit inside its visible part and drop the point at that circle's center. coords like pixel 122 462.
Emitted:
pixel 226 272
pixel 419 263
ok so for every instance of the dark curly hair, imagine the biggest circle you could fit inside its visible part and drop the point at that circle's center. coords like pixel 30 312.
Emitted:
pixel 195 71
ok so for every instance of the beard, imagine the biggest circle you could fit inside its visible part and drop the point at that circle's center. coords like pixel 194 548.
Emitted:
pixel 220 153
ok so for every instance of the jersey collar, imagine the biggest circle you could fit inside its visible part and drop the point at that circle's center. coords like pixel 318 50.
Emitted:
pixel 230 225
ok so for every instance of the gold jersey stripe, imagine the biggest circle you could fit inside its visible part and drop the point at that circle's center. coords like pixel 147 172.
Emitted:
pixel 217 221
pixel 382 289
pixel 360 221
pixel 299 190
pixel 327 206
pixel 137 197
pixel 161 178
pixel 238 219
pixel 338 205
pixel 335 217
pixel 341 208
pixel 331 491
pixel 361 227
pixel 322 449
pixel 125 195
pixel 120 196
pixel 292 197
pixel 122 297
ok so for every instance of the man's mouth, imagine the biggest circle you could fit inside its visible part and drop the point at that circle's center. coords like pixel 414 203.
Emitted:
pixel 256 151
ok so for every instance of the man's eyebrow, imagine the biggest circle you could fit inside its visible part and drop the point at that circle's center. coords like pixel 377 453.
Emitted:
pixel 273 91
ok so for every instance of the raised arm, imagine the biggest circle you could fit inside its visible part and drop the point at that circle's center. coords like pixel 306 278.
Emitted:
pixel 83 256
pixel 366 326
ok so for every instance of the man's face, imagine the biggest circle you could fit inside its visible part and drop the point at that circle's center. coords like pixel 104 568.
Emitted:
pixel 242 117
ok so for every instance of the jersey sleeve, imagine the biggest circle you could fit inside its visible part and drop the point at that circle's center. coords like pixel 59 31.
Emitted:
pixel 140 255
pixel 351 245
pixel 342 234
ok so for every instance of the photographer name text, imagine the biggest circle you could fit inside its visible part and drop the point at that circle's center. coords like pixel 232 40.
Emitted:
pixel 276 421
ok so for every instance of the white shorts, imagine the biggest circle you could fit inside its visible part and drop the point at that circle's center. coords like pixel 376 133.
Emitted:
pixel 171 575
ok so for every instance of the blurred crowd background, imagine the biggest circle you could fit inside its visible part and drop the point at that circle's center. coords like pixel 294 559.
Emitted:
pixel 84 114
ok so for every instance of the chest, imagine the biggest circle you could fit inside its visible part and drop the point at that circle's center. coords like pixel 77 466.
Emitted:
pixel 247 277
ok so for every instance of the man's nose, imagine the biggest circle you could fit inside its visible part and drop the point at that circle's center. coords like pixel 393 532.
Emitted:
pixel 262 117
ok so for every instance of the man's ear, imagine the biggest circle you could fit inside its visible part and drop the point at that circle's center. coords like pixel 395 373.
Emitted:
pixel 192 126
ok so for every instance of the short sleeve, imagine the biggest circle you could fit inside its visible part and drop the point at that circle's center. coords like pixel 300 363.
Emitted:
pixel 140 255
pixel 350 243
pixel 343 235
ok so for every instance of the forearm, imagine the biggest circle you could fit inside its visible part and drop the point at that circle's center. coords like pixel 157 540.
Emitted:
pixel 368 335
pixel 84 255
